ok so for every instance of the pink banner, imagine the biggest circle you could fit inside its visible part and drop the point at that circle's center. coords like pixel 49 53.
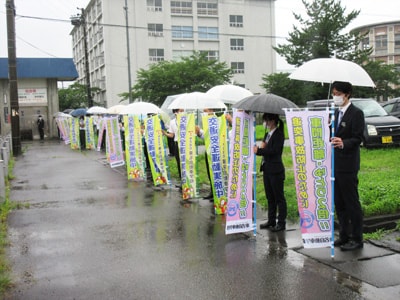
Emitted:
pixel 311 151
pixel 239 216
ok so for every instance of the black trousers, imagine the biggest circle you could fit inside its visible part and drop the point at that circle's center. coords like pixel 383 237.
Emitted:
pixel 348 206
pixel 273 185
pixel 82 139
pixel 178 159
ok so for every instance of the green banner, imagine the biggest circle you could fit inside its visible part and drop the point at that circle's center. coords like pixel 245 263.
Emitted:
pixel 135 162
pixel 74 133
pixel 215 139
pixel 156 150
pixel 188 153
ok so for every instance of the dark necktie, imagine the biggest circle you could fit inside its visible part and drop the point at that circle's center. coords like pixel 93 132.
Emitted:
pixel 340 115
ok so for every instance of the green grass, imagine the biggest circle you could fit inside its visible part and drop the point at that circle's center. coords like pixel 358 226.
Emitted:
pixel 5 208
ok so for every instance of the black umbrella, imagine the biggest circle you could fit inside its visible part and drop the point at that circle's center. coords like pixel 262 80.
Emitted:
pixel 78 112
pixel 266 103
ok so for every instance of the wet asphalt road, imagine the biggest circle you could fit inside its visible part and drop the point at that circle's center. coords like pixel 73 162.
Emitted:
pixel 85 232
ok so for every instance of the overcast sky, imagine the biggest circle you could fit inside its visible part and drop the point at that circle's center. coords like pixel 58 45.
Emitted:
pixel 43 38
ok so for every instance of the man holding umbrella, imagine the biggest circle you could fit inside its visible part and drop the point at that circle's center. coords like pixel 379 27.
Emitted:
pixel 346 142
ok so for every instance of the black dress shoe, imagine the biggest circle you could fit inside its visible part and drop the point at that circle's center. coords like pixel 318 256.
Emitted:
pixel 267 225
pixel 340 242
pixel 352 245
pixel 278 228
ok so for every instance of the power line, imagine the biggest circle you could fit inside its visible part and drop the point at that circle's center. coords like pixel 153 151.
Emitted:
pixel 145 28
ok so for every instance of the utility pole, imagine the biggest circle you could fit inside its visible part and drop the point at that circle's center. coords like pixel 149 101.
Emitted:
pixel 128 52
pixel 12 75
pixel 81 21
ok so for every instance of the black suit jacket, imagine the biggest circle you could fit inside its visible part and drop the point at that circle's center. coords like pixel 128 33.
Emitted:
pixel 272 153
pixel 350 130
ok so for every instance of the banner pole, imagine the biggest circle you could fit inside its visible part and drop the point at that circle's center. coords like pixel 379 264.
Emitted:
pixel 333 182
pixel 254 178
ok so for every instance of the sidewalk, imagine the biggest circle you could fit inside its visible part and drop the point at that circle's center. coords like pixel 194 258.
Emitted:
pixel 103 232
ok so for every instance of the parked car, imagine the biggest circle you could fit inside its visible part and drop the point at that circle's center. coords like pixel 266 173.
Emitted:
pixel 392 107
pixel 381 129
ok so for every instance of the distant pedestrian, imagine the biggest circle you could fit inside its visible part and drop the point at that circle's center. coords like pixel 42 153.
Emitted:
pixel 40 125
pixel 82 132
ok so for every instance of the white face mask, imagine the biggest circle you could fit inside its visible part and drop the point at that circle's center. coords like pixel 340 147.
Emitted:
pixel 265 124
pixel 338 100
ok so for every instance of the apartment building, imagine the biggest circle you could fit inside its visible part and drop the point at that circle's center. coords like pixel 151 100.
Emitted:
pixel 238 32
pixel 384 38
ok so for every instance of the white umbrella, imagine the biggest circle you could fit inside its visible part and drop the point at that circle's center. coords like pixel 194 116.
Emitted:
pixel 229 93
pixel 328 70
pixel 142 109
pixel 114 110
pixel 196 100
pixel 97 110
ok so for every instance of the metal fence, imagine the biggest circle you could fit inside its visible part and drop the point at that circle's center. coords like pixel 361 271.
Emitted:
pixel 5 154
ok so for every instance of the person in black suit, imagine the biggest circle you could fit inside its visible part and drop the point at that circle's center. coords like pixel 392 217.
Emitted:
pixel 346 142
pixel 273 172
pixel 40 125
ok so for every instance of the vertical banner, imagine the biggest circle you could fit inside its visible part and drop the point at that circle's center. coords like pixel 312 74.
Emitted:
pixel 187 153
pixel 156 150
pixel 89 133
pixel 113 139
pixel 63 127
pixel 311 153
pixel 102 127
pixel 135 163
pixel 74 133
pixel 239 217
pixel 217 154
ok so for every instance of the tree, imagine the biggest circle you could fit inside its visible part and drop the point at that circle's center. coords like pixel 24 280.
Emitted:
pixel 74 96
pixel 194 73
pixel 385 76
pixel 295 90
pixel 321 35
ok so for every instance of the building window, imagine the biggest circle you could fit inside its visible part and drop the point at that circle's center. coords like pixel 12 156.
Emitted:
pixel 208 33
pixel 155 29
pixel 177 55
pixel 237 67
pixel 235 21
pixel 182 32
pixel 365 43
pixel 237 44
pixel 397 42
pixel 181 7
pixel 154 5
pixel 381 41
pixel 207 8
pixel 156 54
pixel 211 55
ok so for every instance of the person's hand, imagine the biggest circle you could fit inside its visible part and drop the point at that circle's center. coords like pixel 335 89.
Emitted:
pixel 337 142
pixel 255 149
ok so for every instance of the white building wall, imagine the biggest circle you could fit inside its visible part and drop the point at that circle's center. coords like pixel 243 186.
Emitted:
pixel 108 50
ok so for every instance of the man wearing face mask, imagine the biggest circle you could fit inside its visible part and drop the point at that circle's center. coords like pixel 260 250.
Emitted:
pixel 273 172
pixel 349 130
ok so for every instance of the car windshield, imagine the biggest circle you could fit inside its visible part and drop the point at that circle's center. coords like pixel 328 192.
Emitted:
pixel 370 108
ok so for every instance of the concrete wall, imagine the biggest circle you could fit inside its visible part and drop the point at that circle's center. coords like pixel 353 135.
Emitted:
pixel 42 102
